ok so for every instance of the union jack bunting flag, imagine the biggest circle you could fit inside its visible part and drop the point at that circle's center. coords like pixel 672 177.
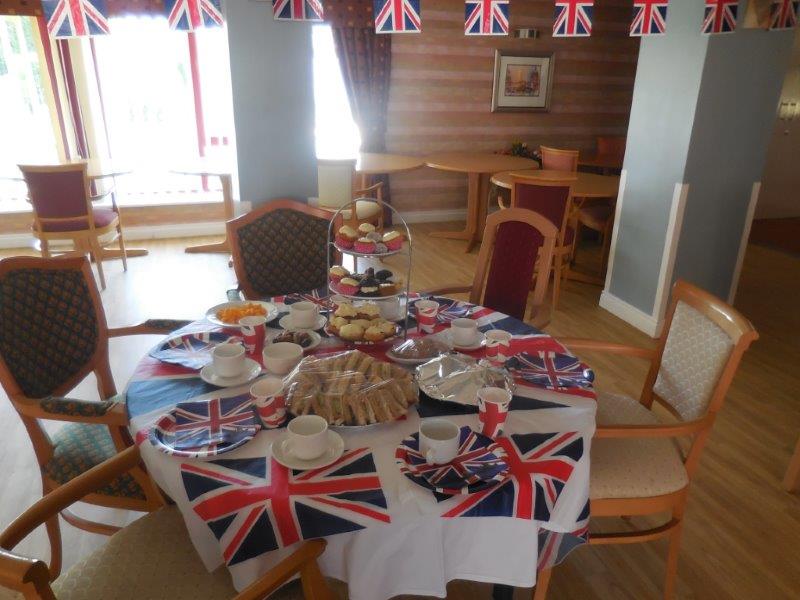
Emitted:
pixel 297 10
pixel 573 18
pixel 551 370
pixel 256 505
pixel 783 14
pixel 720 16
pixel 397 16
pixel 649 17
pixel 74 18
pixel 188 15
pixel 486 17
pixel 541 464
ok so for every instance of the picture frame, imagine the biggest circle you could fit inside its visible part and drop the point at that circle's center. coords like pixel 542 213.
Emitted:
pixel 522 82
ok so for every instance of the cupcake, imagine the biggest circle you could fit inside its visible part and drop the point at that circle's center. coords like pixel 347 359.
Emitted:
pixel 346 236
pixel 368 310
pixel 348 286
pixel 337 272
pixel 369 291
pixel 393 240
pixel 351 332
pixel 365 245
pixel 383 275
pixel 366 228
pixel 373 334
pixel 387 328
pixel 375 236
pixel 380 248
pixel 346 310
pixel 387 289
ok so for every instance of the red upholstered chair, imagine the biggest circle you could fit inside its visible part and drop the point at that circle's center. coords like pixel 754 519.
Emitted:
pixel 554 159
pixel 611 146
pixel 514 242
pixel 62 210
pixel 553 200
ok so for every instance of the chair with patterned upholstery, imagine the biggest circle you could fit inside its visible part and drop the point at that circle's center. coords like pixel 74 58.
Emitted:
pixel 151 558
pixel 53 333
pixel 515 241
pixel 335 183
pixel 62 205
pixel 280 248
pixel 555 159
pixel 638 467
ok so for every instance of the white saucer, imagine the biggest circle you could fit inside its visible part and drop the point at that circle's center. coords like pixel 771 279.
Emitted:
pixel 286 323
pixel 479 342
pixel 331 455
pixel 251 370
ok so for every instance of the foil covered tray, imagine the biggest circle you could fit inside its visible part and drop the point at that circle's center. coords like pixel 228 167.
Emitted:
pixel 457 378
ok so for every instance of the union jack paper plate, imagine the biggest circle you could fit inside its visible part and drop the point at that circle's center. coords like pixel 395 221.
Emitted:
pixel 550 370
pixel 449 310
pixel 480 464
pixel 205 428
pixel 192 350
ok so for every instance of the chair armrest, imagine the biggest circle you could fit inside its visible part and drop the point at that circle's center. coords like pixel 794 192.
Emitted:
pixel 102 195
pixel 235 295
pixel 363 193
pixel 60 498
pixel 453 288
pixel 53 408
pixel 18 571
pixel 284 571
pixel 610 347
pixel 659 430
pixel 149 327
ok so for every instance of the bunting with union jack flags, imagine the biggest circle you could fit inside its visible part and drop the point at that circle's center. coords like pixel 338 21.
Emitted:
pixel 256 505
pixel 297 10
pixel 573 18
pixel 75 18
pixel 397 16
pixel 649 17
pixel 720 16
pixel 540 465
pixel 188 15
pixel 486 17
pixel 783 14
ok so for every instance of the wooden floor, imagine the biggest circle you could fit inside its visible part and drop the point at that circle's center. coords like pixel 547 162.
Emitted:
pixel 742 530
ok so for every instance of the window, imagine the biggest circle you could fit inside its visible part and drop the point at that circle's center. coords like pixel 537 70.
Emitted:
pixel 336 133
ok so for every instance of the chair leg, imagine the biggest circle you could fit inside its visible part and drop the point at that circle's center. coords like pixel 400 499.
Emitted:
pixel 314 585
pixel 97 254
pixel 670 579
pixel 556 280
pixel 542 583
pixel 45 246
pixel 122 249
pixel 54 537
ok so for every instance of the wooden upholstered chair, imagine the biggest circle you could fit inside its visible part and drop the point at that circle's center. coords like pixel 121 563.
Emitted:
pixel 553 200
pixel 279 248
pixel 598 215
pixel 335 184
pixel 554 159
pixel 62 210
pixel 611 145
pixel 638 467
pixel 53 333
pixel 514 241
pixel 151 558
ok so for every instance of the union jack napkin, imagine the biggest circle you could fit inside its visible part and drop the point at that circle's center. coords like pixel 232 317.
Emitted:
pixel 256 505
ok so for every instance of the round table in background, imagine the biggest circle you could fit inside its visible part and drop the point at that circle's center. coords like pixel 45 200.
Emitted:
pixel 478 166
pixel 373 163
pixel 585 185
pixel 605 162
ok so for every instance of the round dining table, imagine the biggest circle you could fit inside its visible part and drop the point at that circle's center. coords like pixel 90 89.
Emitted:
pixel 584 185
pixel 386 535
pixel 374 163
pixel 478 166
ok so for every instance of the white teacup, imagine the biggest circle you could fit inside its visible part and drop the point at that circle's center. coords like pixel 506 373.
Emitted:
pixel 464 332
pixel 307 437
pixel 438 440
pixel 228 360
pixel 304 314
pixel 281 357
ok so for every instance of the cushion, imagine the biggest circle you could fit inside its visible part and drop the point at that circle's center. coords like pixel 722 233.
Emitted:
pixel 364 210
pixel 694 356
pixel 6 594
pixel 102 218
pixel 595 215
pixel 80 446
pixel 617 409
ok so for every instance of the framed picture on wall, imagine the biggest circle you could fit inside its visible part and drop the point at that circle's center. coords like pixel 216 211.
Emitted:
pixel 522 82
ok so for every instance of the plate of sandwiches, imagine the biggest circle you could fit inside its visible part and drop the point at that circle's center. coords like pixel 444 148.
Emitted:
pixel 350 389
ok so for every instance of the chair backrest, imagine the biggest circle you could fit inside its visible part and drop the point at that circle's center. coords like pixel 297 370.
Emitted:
pixel 59 193
pixel 554 159
pixel 698 353
pixel 612 146
pixel 335 182
pixel 550 198
pixel 513 240
pixel 279 248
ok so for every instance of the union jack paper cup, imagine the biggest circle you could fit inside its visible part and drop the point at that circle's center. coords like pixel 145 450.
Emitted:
pixel 254 332
pixel 269 402
pixel 498 345
pixel 493 404
pixel 426 314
